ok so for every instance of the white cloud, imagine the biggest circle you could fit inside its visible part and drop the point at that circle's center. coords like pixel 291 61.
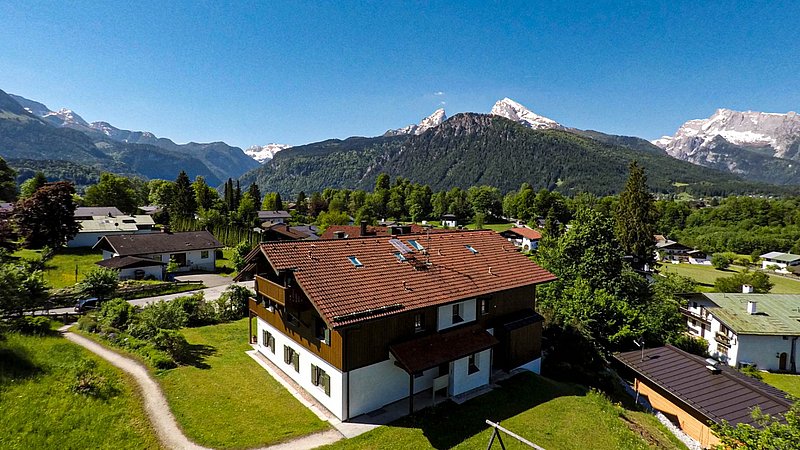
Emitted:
pixel 442 103
pixel 438 93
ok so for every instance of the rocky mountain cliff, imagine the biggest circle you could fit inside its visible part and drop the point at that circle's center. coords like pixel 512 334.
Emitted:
pixel 763 146
pixel 263 153
pixel 434 120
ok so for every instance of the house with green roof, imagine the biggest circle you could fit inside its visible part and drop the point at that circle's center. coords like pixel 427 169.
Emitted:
pixel 780 262
pixel 748 329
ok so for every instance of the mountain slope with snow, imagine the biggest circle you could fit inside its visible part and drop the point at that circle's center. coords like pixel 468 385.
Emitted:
pixel 263 153
pixel 434 120
pixel 512 110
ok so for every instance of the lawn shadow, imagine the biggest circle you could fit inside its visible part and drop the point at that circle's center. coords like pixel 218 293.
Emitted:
pixel 449 424
pixel 197 355
pixel 16 364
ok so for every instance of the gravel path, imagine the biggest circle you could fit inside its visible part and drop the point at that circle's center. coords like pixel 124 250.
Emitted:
pixel 158 411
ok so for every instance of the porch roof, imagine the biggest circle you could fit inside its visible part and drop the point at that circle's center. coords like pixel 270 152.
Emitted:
pixel 427 352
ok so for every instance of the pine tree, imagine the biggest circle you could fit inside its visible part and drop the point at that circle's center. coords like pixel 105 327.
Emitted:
pixel 302 204
pixel 8 182
pixel 278 202
pixel 255 193
pixel 635 219
pixel 184 204
pixel 237 196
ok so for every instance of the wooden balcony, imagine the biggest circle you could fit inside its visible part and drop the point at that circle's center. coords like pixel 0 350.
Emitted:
pixel 723 339
pixel 277 293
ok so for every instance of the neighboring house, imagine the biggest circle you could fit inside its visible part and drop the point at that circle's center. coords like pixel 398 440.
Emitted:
pixel 698 257
pixel 274 217
pixel 361 323
pixel 781 262
pixel 134 267
pixel 150 209
pixel 192 250
pixel 671 251
pixel 747 328
pixel 90 212
pixel 283 232
pixel 364 230
pixel 449 221
pixel 522 237
pixel 694 393
pixel 94 228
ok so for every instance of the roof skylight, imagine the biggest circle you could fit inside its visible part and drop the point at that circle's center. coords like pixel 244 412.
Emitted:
pixel 472 249
pixel 355 261
pixel 400 257
pixel 416 245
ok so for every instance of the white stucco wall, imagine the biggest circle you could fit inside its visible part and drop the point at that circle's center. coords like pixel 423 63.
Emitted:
pixel 445 314
pixel 379 384
pixel 462 381
pixel 334 402
pixel 129 274
pixel 764 351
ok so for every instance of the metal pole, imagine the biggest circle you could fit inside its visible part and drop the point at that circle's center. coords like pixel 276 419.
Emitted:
pixel 497 426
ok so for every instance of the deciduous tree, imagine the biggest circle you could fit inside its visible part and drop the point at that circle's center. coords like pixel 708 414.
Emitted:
pixel 48 216
pixel 113 190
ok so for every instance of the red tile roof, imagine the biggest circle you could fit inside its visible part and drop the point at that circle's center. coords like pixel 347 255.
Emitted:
pixel 344 293
pixel 527 232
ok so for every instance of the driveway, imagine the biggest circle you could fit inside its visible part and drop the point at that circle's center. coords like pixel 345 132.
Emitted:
pixel 211 293
pixel 209 279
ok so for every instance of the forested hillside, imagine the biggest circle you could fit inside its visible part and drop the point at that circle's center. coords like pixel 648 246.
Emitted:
pixel 476 149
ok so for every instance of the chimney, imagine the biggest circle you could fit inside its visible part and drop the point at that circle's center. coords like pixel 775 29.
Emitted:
pixel 363 228
pixel 752 307
pixel 747 289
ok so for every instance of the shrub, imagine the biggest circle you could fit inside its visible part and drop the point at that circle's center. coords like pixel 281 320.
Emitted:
pixel 198 311
pixel 141 329
pixel 759 280
pixel 173 343
pixel 33 326
pixel 695 345
pixel 159 359
pixel 166 315
pixel 116 313
pixel 89 381
pixel 100 282
pixel 232 304
pixel 239 252
pixel 751 371
pixel 720 261
pixel 88 323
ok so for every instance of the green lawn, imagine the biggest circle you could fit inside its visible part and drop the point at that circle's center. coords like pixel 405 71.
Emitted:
pixel 39 411
pixel 225 264
pixel 60 271
pixel 551 414
pixel 226 400
pixel 492 226
pixel 786 382
pixel 706 275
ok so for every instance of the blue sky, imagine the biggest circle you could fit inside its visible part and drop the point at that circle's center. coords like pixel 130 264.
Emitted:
pixel 296 72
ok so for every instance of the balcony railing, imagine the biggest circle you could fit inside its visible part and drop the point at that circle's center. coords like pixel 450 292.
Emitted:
pixel 722 339
pixel 276 292
pixel 704 316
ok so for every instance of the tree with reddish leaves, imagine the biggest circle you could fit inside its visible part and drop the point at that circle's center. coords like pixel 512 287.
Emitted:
pixel 48 216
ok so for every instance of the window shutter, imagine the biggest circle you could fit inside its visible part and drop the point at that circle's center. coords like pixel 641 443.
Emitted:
pixel 327 336
pixel 314 379
pixel 326 383
pixel 296 361
pixel 286 355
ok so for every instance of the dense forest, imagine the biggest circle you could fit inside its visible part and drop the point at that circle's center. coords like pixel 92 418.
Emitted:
pixel 475 149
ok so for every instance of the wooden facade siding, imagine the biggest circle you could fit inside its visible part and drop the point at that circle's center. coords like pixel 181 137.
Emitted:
pixel 689 421
pixel 304 334
pixel 278 293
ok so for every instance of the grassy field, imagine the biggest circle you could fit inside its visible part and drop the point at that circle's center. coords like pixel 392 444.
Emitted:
pixel 60 271
pixel 39 411
pixel 492 226
pixel 225 400
pixel 706 275
pixel 551 414
pixel 786 382
pixel 225 264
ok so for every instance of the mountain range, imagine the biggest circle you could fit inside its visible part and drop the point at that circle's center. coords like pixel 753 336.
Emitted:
pixel 760 146
pixel 504 149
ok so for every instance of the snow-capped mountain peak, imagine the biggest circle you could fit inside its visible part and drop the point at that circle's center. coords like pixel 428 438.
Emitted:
pixel 742 128
pixel 264 153
pixel 514 111
pixel 67 117
pixel 434 120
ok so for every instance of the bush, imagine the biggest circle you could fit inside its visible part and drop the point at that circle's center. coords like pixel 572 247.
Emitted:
pixel 759 280
pixel 692 344
pixel 166 315
pixel 88 323
pixel 32 326
pixel 88 380
pixel 751 371
pixel 159 359
pixel 116 313
pixel 198 311
pixel 100 282
pixel 173 343
pixel 232 304
pixel 720 261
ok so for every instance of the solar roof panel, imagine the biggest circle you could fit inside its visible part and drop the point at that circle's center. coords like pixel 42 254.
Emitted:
pixel 400 246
